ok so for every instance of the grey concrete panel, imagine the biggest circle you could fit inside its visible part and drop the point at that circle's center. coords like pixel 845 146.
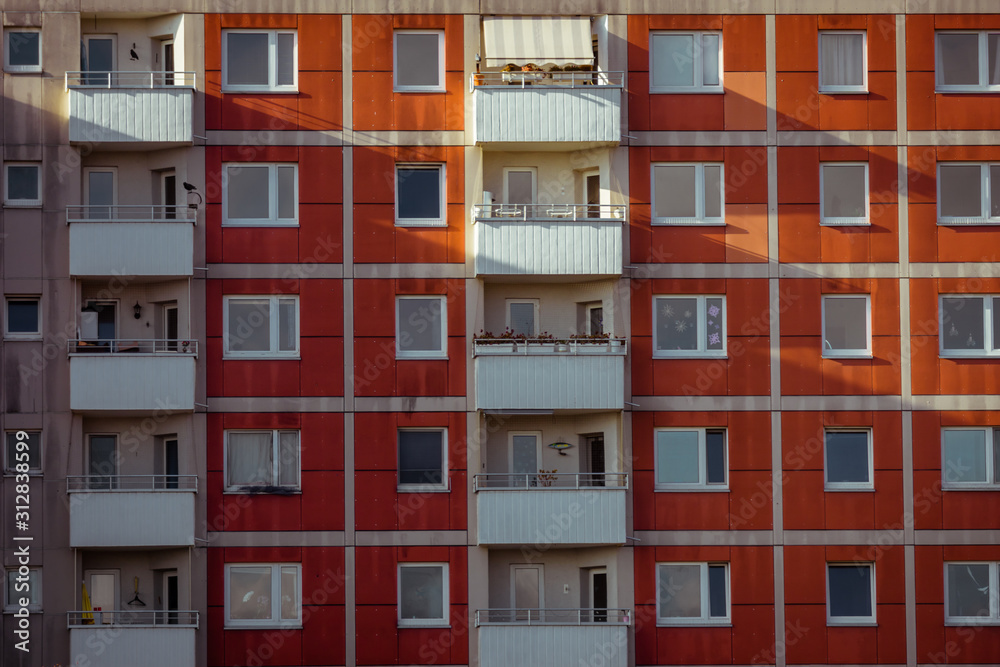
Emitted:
pixel 402 538
pixel 275 404
pixel 278 538
pixel 701 403
pixel 664 538
pixel 838 138
pixel 411 404
pixel 409 270
pixel 706 138
pixel 276 271
pixel 841 403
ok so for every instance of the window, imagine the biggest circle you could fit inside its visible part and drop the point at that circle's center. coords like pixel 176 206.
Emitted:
pixel 688 194
pixel 421 327
pixel 22 49
pixel 420 195
pixel 259 61
pixel 522 317
pixel 22 184
pixel 691 459
pixel 264 594
pixel 261 326
pixel 422 597
pixel 970 591
pixel 23 587
pixel 692 593
pixel 850 593
pixel 261 460
pixel 260 194
pixel 689 326
pixel 848 463
pixel 844 193
pixel 422 459
pixel 967 61
pixel 968 194
pixel 682 62
pixel 970 326
pixel 418 61
pixel 970 457
pixel 23 317
pixel 842 64
pixel 847 325
pixel 24 449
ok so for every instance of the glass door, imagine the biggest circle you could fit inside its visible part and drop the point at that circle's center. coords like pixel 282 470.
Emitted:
pixel 100 192
pixel 592 183
pixel 171 463
pixel 527 592
pixel 599 594
pixel 524 459
pixel 102 587
pixel 168 194
pixel 167 53
pixel 99 59
pixel 102 461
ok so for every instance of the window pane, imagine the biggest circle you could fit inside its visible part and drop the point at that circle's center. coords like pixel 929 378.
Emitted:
pixel 717 591
pixel 962 323
pixel 23 48
pixel 22 182
pixel 34 450
pixel 596 316
pixel 22 316
pixel 250 459
pixel 713 191
pixel 847 457
pixel 846 323
pixel 417 60
pixel 676 324
pixel 713 323
pixel 288 458
pixel 289 593
pixel 246 59
pixel 286 59
pixel 964 455
pixel 958 58
pixel 673 60
pixel 677 457
pixel 961 190
pixel 418 194
pixel 420 457
pixel 421 592
pixel 843 60
pixel 680 591
pixel 522 318
pixel 969 589
pixel 710 60
pixel 249 593
pixel 249 325
pixel 247 192
pixel 850 591
pixel 996 455
pixel 715 457
pixel 844 191
pixel 674 191
pixel 286 192
pixel 34 592
pixel 420 325
pixel 287 340
pixel 993 59
pixel 996 323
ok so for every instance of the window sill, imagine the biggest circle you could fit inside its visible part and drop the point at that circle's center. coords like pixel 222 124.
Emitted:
pixel 975 621
pixel 968 222
pixel 262 491
pixel 689 355
pixel 845 222
pixel 261 357
pixel 263 626
pixel 22 204
pixel 714 90
pixel 848 355
pixel 258 91
pixel 970 355
pixel 973 486
pixel 11 611
pixel 944 90
pixel 421 357
pixel 421 223
pixel 694 622
pixel 24 70
pixel 262 223
pixel 23 337
pixel 418 626
pixel 420 89
pixel 31 473
pixel 851 624
pixel 422 489
pixel 686 222
pixel 843 91
pixel 849 489
pixel 691 489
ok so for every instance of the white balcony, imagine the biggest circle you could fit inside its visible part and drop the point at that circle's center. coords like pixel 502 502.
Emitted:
pixel 131 110
pixel 574 241
pixel 542 374
pixel 553 637
pixel 547 110
pixel 136 241
pixel 131 510
pixel 551 510
pixel 132 375
pixel 129 638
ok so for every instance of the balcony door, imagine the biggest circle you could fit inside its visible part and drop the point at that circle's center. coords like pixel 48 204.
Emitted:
pixel 168 194
pixel 171 463
pixel 102 587
pixel 525 458
pixel 102 461
pixel 598 585
pixel 167 58
pixel 100 193
pixel 98 59
pixel 527 591
pixel 170 323
pixel 99 324
pixel 167 596
pixel 519 185
pixel 592 186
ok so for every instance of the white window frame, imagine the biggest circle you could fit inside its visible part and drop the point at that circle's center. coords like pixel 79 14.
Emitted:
pixel 705 618
pixel 275 598
pixel 985 216
pixel 21 69
pixel 7 201
pixel 984 68
pixel 992 482
pixel 275 461
pixel 841 89
pixel 987 350
pixel 272 62
pixel 275 323
pixel 21 335
pixel 532 302
pixel 702 317
pixel 398 87
pixel 851 620
pixel 699 183
pixel 9 466
pixel 272 219
pixel 11 605
pixel 842 221
pixel 994 596
pixel 423 354
pixel 849 486
pixel 445 485
pixel 441 221
pixel 703 484
pixel 699 86
pixel 444 622
pixel 859 353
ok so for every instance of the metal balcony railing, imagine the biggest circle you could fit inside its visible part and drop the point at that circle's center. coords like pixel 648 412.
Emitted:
pixel 147 618
pixel 186 483
pixel 572 79
pixel 549 212
pixel 130 80
pixel 548 346
pixel 131 213
pixel 553 616
pixel 540 481
pixel 134 346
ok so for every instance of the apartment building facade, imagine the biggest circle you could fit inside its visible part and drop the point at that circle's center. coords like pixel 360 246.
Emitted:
pixel 375 333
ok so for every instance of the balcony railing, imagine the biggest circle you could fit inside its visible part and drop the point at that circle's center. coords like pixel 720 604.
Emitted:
pixel 185 483
pixel 165 346
pixel 549 212
pixel 552 481
pixel 150 213
pixel 553 616
pixel 548 346
pixel 147 618
pixel 570 79
pixel 130 79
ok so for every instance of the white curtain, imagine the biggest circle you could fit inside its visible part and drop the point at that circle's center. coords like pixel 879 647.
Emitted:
pixel 843 59
pixel 250 459
pixel 288 462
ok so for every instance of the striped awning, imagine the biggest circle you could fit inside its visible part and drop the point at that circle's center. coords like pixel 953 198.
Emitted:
pixel 543 40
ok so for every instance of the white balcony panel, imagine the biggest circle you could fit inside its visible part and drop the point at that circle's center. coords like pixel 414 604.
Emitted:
pixel 553 382
pixel 536 114
pixel 551 517
pixel 557 248
pixel 131 518
pixel 122 646
pixel 131 248
pixel 553 645
pixel 116 382
pixel 131 115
